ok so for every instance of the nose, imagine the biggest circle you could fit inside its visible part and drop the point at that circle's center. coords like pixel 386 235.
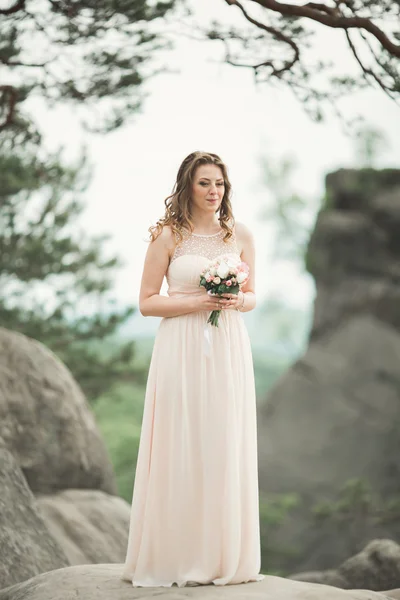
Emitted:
pixel 214 191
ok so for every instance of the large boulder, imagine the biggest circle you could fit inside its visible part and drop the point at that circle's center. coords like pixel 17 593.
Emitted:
pixel 55 473
pixel 376 567
pixel 333 416
pixel 26 548
pixel 102 582
pixel 45 421
pixel 89 525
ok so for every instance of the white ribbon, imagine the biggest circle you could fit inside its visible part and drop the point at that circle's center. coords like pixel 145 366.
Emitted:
pixel 207 339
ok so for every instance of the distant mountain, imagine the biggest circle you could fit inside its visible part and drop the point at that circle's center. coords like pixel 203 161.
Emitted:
pixel 138 327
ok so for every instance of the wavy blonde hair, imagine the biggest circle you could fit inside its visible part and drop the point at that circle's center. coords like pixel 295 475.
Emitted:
pixel 178 204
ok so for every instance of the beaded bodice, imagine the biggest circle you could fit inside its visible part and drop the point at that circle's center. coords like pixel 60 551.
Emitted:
pixel 191 256
pixel 209 246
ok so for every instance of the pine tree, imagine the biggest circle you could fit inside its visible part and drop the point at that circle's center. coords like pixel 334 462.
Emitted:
pixel 96 54
pixel 55 281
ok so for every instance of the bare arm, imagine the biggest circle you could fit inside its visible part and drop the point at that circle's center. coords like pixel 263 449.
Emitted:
pixel 248 256
pixel 151 303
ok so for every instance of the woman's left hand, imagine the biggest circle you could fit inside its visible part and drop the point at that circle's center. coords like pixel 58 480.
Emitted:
pixel 235 300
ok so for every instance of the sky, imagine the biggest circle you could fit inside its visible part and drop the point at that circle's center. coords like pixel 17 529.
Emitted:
pixel 211 106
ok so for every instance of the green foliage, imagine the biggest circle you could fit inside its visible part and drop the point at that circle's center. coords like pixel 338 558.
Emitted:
pixel 370 142
pixel 354 498
pixel 98 365
pixel 275 509
pixel 94 54
pixel 55 280
pixel 291 215
pixel 119 415
pixel 354 510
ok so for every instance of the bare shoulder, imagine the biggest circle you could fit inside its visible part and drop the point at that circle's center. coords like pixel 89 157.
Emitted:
pixel 166 235
pixel 166 239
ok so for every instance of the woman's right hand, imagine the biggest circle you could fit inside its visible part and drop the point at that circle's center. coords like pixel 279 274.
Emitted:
pixel 211 302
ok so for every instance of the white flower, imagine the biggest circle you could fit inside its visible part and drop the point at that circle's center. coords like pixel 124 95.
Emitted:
pixel 223 270
pixel 213 271
pixel 241 277
pixel 232 262
pixel 217 280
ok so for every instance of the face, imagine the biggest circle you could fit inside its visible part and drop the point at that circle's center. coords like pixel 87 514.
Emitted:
pixel 208 188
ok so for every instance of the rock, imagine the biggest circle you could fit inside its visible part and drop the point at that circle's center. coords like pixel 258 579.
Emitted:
pixel 102 582
pixel 333 416
pixel 89 525
pixel 354 250
pixel 322 426
pixel 328 577
pixel 45 421
pixel 26 547
pixel 376 567
pixel 48 434
pixel 331 393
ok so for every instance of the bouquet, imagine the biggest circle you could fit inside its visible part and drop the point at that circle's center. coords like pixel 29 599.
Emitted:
pixel 226 274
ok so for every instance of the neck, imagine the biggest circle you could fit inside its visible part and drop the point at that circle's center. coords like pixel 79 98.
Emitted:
pixel 206 224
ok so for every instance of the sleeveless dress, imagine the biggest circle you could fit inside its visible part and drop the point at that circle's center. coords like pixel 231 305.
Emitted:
pixel 195 508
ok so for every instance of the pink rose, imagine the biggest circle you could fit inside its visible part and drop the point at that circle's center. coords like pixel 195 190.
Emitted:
pixel 228 283
pixel 209 279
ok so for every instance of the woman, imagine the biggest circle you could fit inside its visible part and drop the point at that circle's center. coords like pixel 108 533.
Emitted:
pixel 195 513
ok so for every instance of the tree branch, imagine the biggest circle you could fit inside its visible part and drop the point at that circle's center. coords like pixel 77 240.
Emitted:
pixel 331 18
pixel 11 92
pixel 19 5
pixel 376 58
pixel 16 63
pixel 322 7
pixel 366 71
pixel 278 35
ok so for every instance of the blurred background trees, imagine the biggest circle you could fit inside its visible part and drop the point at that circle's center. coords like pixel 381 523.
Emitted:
pixel 94 54
pixel 55 280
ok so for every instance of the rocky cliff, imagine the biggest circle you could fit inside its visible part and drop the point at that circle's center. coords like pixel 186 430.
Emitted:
pixel 335 415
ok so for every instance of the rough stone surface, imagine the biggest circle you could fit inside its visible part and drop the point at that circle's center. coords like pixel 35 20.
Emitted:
pixel 334 415
pixel 102 582
pixel 89 525
pixel 354 250
pixel 376 567
pixel 26 547
pixel 329 395
pixel 45 421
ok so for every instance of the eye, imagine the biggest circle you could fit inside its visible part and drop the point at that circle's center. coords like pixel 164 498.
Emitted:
pixel 221 183
pixel 203 183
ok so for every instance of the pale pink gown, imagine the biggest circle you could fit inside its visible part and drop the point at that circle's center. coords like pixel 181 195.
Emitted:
pixel 195 509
